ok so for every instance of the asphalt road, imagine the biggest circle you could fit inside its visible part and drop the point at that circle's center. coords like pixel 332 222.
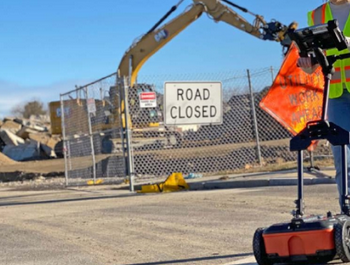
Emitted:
pixel 104 225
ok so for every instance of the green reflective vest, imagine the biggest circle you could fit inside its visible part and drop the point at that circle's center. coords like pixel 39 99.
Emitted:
pixel 341 77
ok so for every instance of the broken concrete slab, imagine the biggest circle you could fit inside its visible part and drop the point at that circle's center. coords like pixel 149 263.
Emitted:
pixel 22 152
pixel 39 137
pixel 52 142
pixel 19 121
pixel 48 151
pixel 9 118
pixel 24 132
pixel 11 126
pixel 33 143
pixel 37 128
pixel 47 143
pixel 24 122
pixel 5 160
pixel 49 147
pixel 42 119
pixel 10 138
pixel 45 150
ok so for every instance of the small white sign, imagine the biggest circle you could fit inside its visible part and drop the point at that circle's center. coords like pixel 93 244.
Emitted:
pixel 91 106
pixel 192 103
pixel 148 100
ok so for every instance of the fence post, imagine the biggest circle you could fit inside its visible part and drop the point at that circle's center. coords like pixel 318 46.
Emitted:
pixel 64 144
pixel 130 163
pixel 254 117
pixel 120 89
pixel 86 90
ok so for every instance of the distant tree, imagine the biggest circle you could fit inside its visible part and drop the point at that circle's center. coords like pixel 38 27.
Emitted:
pixel 34 107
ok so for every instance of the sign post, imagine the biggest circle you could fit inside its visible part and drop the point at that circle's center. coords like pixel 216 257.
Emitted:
pixel 187 103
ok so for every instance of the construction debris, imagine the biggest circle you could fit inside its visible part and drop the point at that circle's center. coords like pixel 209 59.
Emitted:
pixel 11 126
pixel 10 138
pixel 23 176
pixel 27 139
pixel 23 152
pixel 4 160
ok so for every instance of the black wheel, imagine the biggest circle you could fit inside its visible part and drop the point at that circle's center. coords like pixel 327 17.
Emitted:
pixel 342 240
pixel 259 248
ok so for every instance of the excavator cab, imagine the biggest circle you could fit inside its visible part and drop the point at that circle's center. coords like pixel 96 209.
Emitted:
pixel 138 117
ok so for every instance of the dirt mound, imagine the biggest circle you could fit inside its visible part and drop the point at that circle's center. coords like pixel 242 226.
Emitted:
pixel 5 160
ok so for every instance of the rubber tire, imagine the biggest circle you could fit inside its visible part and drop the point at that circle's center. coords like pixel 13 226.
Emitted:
pixel 342 240
pixel 259 248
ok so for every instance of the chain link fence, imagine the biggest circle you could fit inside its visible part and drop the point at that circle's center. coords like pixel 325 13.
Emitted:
pixel 92 138
pixel 248 136
pixel 95 143
pixel 239 142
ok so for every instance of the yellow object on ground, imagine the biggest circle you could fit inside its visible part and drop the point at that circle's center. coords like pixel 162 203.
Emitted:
pixel 175 182
pixel 154 124
pixel 91 182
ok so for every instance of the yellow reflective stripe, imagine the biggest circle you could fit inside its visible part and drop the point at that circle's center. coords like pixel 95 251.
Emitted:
pixel 336 78
pixel 347 73
pixel 320 15
pixel 337 74
pixel 336 87
pixel 341 76
pixel 335 81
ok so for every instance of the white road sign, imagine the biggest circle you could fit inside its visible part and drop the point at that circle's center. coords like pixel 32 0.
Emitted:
pixel 91 106
pixel 148 99
pixel 192 103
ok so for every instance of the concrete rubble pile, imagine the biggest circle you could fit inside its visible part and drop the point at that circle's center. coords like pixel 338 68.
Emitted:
pixel 28 139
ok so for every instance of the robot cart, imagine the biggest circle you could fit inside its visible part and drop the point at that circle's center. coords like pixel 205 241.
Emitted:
pixel 315 238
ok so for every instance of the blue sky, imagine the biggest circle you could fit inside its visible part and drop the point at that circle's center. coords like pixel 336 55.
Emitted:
pixel 47 47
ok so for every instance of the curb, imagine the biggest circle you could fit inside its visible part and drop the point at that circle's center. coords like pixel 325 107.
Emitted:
pixel 256 183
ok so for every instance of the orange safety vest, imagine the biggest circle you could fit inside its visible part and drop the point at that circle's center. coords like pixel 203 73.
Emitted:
pixel 341 77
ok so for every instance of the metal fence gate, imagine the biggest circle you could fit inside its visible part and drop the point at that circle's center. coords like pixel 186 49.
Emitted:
pixel 92 137
pixel 248 136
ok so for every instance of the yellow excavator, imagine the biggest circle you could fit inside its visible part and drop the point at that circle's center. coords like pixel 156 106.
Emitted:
pixel 158 36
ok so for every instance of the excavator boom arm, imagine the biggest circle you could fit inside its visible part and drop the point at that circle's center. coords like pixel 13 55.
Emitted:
pixel 220 12
pixel 150 43
pixel 156 38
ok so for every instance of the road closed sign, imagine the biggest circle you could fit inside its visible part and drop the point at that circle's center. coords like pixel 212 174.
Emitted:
pixel 295 98
pixel 188 103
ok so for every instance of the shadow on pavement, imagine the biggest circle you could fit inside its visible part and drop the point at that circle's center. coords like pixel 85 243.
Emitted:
pixel 24 196
pixel 3 204
pixel 180 261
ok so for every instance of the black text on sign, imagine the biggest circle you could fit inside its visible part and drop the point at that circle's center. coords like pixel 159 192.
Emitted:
pixel 192 103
